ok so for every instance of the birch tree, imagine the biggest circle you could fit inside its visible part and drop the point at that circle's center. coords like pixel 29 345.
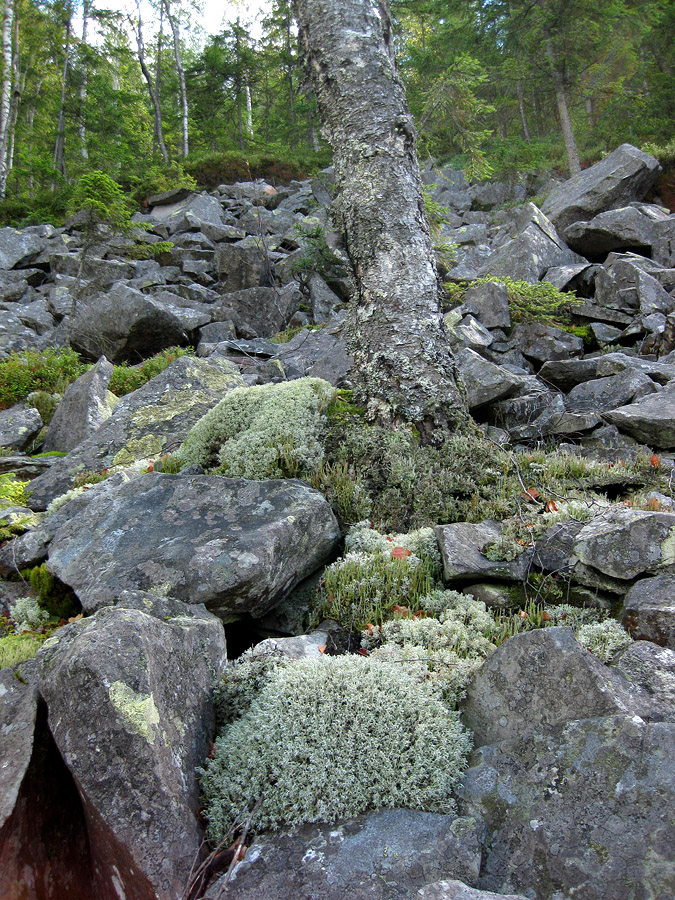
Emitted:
pixel 403 367
pixel 6 90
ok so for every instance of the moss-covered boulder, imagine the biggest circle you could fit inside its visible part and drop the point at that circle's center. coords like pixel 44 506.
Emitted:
pixel 153 420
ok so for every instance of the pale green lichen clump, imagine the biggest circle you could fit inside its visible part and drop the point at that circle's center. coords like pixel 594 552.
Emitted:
pixel 265 431
pixel 327 739
pixel 138 711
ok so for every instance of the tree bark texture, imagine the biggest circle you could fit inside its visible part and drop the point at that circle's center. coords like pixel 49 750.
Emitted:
pixel 180 72
pixel 6 90
pixel 403 367
pixel 561 103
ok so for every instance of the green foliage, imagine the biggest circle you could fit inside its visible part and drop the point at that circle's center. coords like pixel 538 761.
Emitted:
pixel 27 614
pixel 603 639
pixel 316 256
pixel 159 178
pixel 241 683
pixel 541 302
pixel 90 476
pixel 51 370
pixel 102 201
pixel 56 598
pixel 145 250
pixel 328 739
pixel 342 487
pixel 12 491
pixel 230 166
pixel 126 378
pixel 45 403
pixel 265 431
pixel 169 464
pixel 362 588
pixel 17 648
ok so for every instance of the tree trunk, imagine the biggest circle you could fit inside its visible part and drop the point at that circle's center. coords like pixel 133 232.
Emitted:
pixel 180 71
pixel 154 98
pixel 521 107
pixel 403 367
pixel 6 91
pixel 82 126
pixel 561 103
pixel 60 142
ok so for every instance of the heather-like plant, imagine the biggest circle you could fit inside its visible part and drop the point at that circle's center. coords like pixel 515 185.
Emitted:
pixel 330 738
pixel 265 431
pixel 603 639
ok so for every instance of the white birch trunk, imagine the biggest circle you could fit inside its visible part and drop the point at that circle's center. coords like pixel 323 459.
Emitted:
pixel 180 72
pixel 6 90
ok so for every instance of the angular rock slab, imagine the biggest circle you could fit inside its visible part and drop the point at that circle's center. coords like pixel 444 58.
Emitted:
pixel 152 420
pixel 651 668
pixel 651 419
pixel 585 811
pixel 129 700
pixel 484 382
pixel 84 407
pixel 455 890
pixel 18 707
pixel 649 610
pixel 461 545
pixel 235 545
pixel 359 859
pixel 618 179
pixel 540 679
pixel 19 426
pixel 625 543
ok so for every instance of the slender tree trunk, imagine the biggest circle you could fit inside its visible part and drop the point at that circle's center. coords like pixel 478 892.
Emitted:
pixel 561 103
pixel 403 368
pixel 180 72
pixel 238 86
pixel 154 98
pixel 249 107
pixel 521 107
pixel 82 127
pixel 6 91
pixel 31 134
pixel 19 83
pixel 158 69
pixel 59 158
pixel 289 77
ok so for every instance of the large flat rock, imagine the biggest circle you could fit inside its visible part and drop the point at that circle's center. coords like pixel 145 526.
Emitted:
pixel 235 545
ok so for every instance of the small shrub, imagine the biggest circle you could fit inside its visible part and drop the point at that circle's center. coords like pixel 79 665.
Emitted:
pixel 51 370
pixel 12 491
pixel 241 683
pixel 126 379
pixel 45 403
pixel 328 739
pixel 145 250
pixel 169 464
pixel 90 477
pixel 54 597
pixel 360 589
pixel 603 639
pixel 343 489
pixel 541 302
pixel 316 255
pixel 27 614
pixel 265 431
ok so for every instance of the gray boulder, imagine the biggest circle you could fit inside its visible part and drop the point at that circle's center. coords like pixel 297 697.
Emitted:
pixel 651 668
pixel 543 343
pixel 18 708
pixel 456 890
pixel 124 325
pixel 239 267
pixel 616 229
pixel 618 179
pixel 145 678
pixel 402 849
pixel 625 543
pixel 461 545
pixel 260 311
pixel 484 382
pixel 567 373
pixel 537 248
pixel 19 247
pixel 19 426
pixel 84 407
pixel 517 690
pixel 651 419
pixel 649 610
pixel 152 420
pixel 237 546
pixel 608 393
pixel 489 302
pixel 582 810
pixel 14 335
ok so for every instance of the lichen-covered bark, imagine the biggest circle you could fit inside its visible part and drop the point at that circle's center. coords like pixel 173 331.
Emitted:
pixel 403 365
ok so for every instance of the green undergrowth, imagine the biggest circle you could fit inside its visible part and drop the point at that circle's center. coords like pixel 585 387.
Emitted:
pixel 541 302
pixel 17 648
pixel 40 377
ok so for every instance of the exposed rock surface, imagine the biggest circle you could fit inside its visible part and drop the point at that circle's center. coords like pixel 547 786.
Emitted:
pixel 153 420
pixel 649 610
pixel 84 407
pixel 358 858
pixel 237 546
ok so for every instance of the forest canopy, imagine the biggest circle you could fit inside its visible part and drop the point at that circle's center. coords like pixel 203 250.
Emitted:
pixel 145 96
